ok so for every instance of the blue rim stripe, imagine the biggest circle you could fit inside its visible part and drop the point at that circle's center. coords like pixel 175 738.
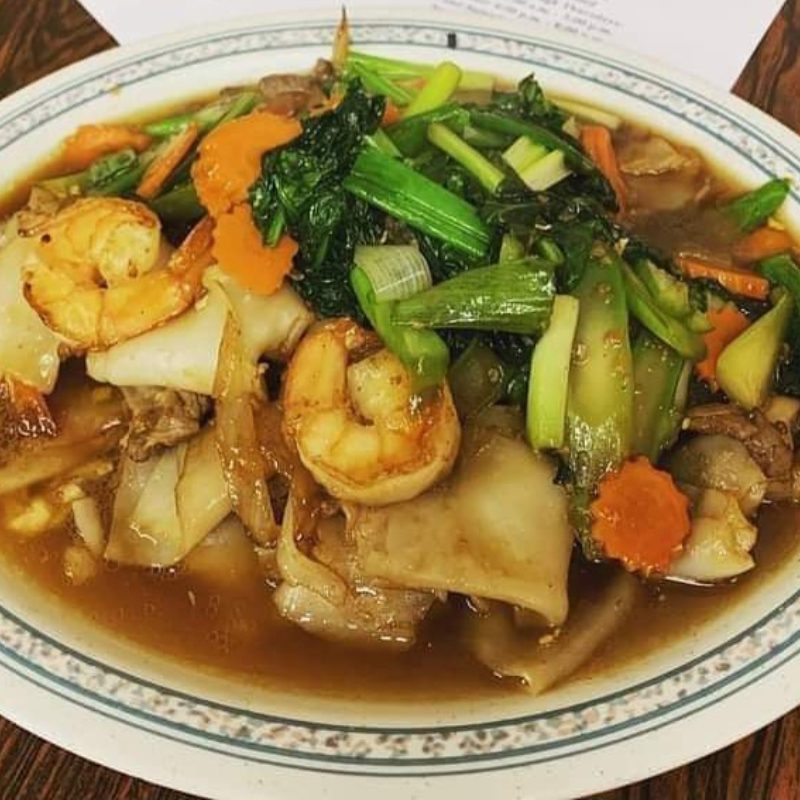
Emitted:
pixel 249 757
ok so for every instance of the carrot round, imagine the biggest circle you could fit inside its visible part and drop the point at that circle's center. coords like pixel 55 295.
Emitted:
pixel 230 157
pixel 736 280
pixel 728 323
pixel 90 142
pixel 760 244
pixel 240 251
pixel 640 517
pixel 596 140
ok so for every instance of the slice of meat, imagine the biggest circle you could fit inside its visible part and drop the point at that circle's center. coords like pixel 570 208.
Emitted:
pixel 766 442
pixel 161 418
pixel 290 94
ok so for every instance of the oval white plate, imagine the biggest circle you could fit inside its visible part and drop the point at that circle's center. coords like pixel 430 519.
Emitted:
pixel 103 699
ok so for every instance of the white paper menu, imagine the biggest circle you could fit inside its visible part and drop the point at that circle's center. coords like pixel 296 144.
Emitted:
pixel 710 38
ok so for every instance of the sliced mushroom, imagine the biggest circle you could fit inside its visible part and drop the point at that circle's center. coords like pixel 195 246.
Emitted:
pixel 290 94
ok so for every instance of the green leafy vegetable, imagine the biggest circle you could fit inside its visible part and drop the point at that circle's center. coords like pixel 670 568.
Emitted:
pixel 754 208
pixel 600 400
pixel 515 296
pixel 422 352
pixel 301 188
pixel 405 194
pixel 486 173
pixel 661 382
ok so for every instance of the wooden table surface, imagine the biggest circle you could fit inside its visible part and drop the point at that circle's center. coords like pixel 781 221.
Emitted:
pixel 39 36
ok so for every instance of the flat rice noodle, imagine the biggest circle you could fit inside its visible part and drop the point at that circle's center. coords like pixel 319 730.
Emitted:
pixel 168 504
pixel 270 326
pixel 29 350
pixel 226 558
pixel 540 662
pixel 181 355
pixel 498 531
pixel 326 594
pixel 238 393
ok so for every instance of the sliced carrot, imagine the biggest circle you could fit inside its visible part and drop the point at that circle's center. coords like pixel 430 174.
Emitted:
pixel 640 517
pixel 90 142
pixel 391 114
pixel 728 323
pixel 761 243
pixel 736 280
pixel 240 251
pixel 596 140
pixel 230 157
pixel 31 412
pixel 164 164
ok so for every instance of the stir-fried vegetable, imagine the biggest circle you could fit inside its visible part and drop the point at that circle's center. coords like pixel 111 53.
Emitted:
pixel 746 367
pixel 549 380
pixel 756 207
pixel 516 296
pixel 640 517
pixel 600 400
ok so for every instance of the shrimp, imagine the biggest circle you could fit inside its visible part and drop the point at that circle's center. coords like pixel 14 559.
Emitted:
pixel 358 427
pixel 96 280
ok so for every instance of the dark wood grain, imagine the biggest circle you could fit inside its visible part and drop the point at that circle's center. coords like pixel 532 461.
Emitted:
pixel 38 37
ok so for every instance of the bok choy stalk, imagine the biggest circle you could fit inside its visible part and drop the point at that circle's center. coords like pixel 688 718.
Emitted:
pixel 422 352
pixel 471 80
pixel 380 84
pixel 646 309
pixel 537 167
pixel 600 399
pixel 746 367
pixel 396 271
pixel 500 123
pixel 754 208
pixel 409 135
pixel 515 297
pixel 549 380
pixel 407 195
pixel 438 89
pixel 487 174
pixel 661 385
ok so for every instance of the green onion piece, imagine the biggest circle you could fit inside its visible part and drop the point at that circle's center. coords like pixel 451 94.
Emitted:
pixel 550 251
pixel 410 134
pixel 782 271
pixel 549 381
pixel 483 140
pixel 380 84
pixel 111 166
pixel 516 297
pixel 661 386
pixel 589 113
pixel 396 271
pixel 546 172
pixel 471 80
pixel 486 173
pixel 754 208
pixel 438 89
pixel 180 204
pixel 423 353
pixel 671 331
pixel 500 123
pixel 477 379
pixel 207 117
pixel 381 140
pixel 523 153
pixel 405 194
pixel 511 248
